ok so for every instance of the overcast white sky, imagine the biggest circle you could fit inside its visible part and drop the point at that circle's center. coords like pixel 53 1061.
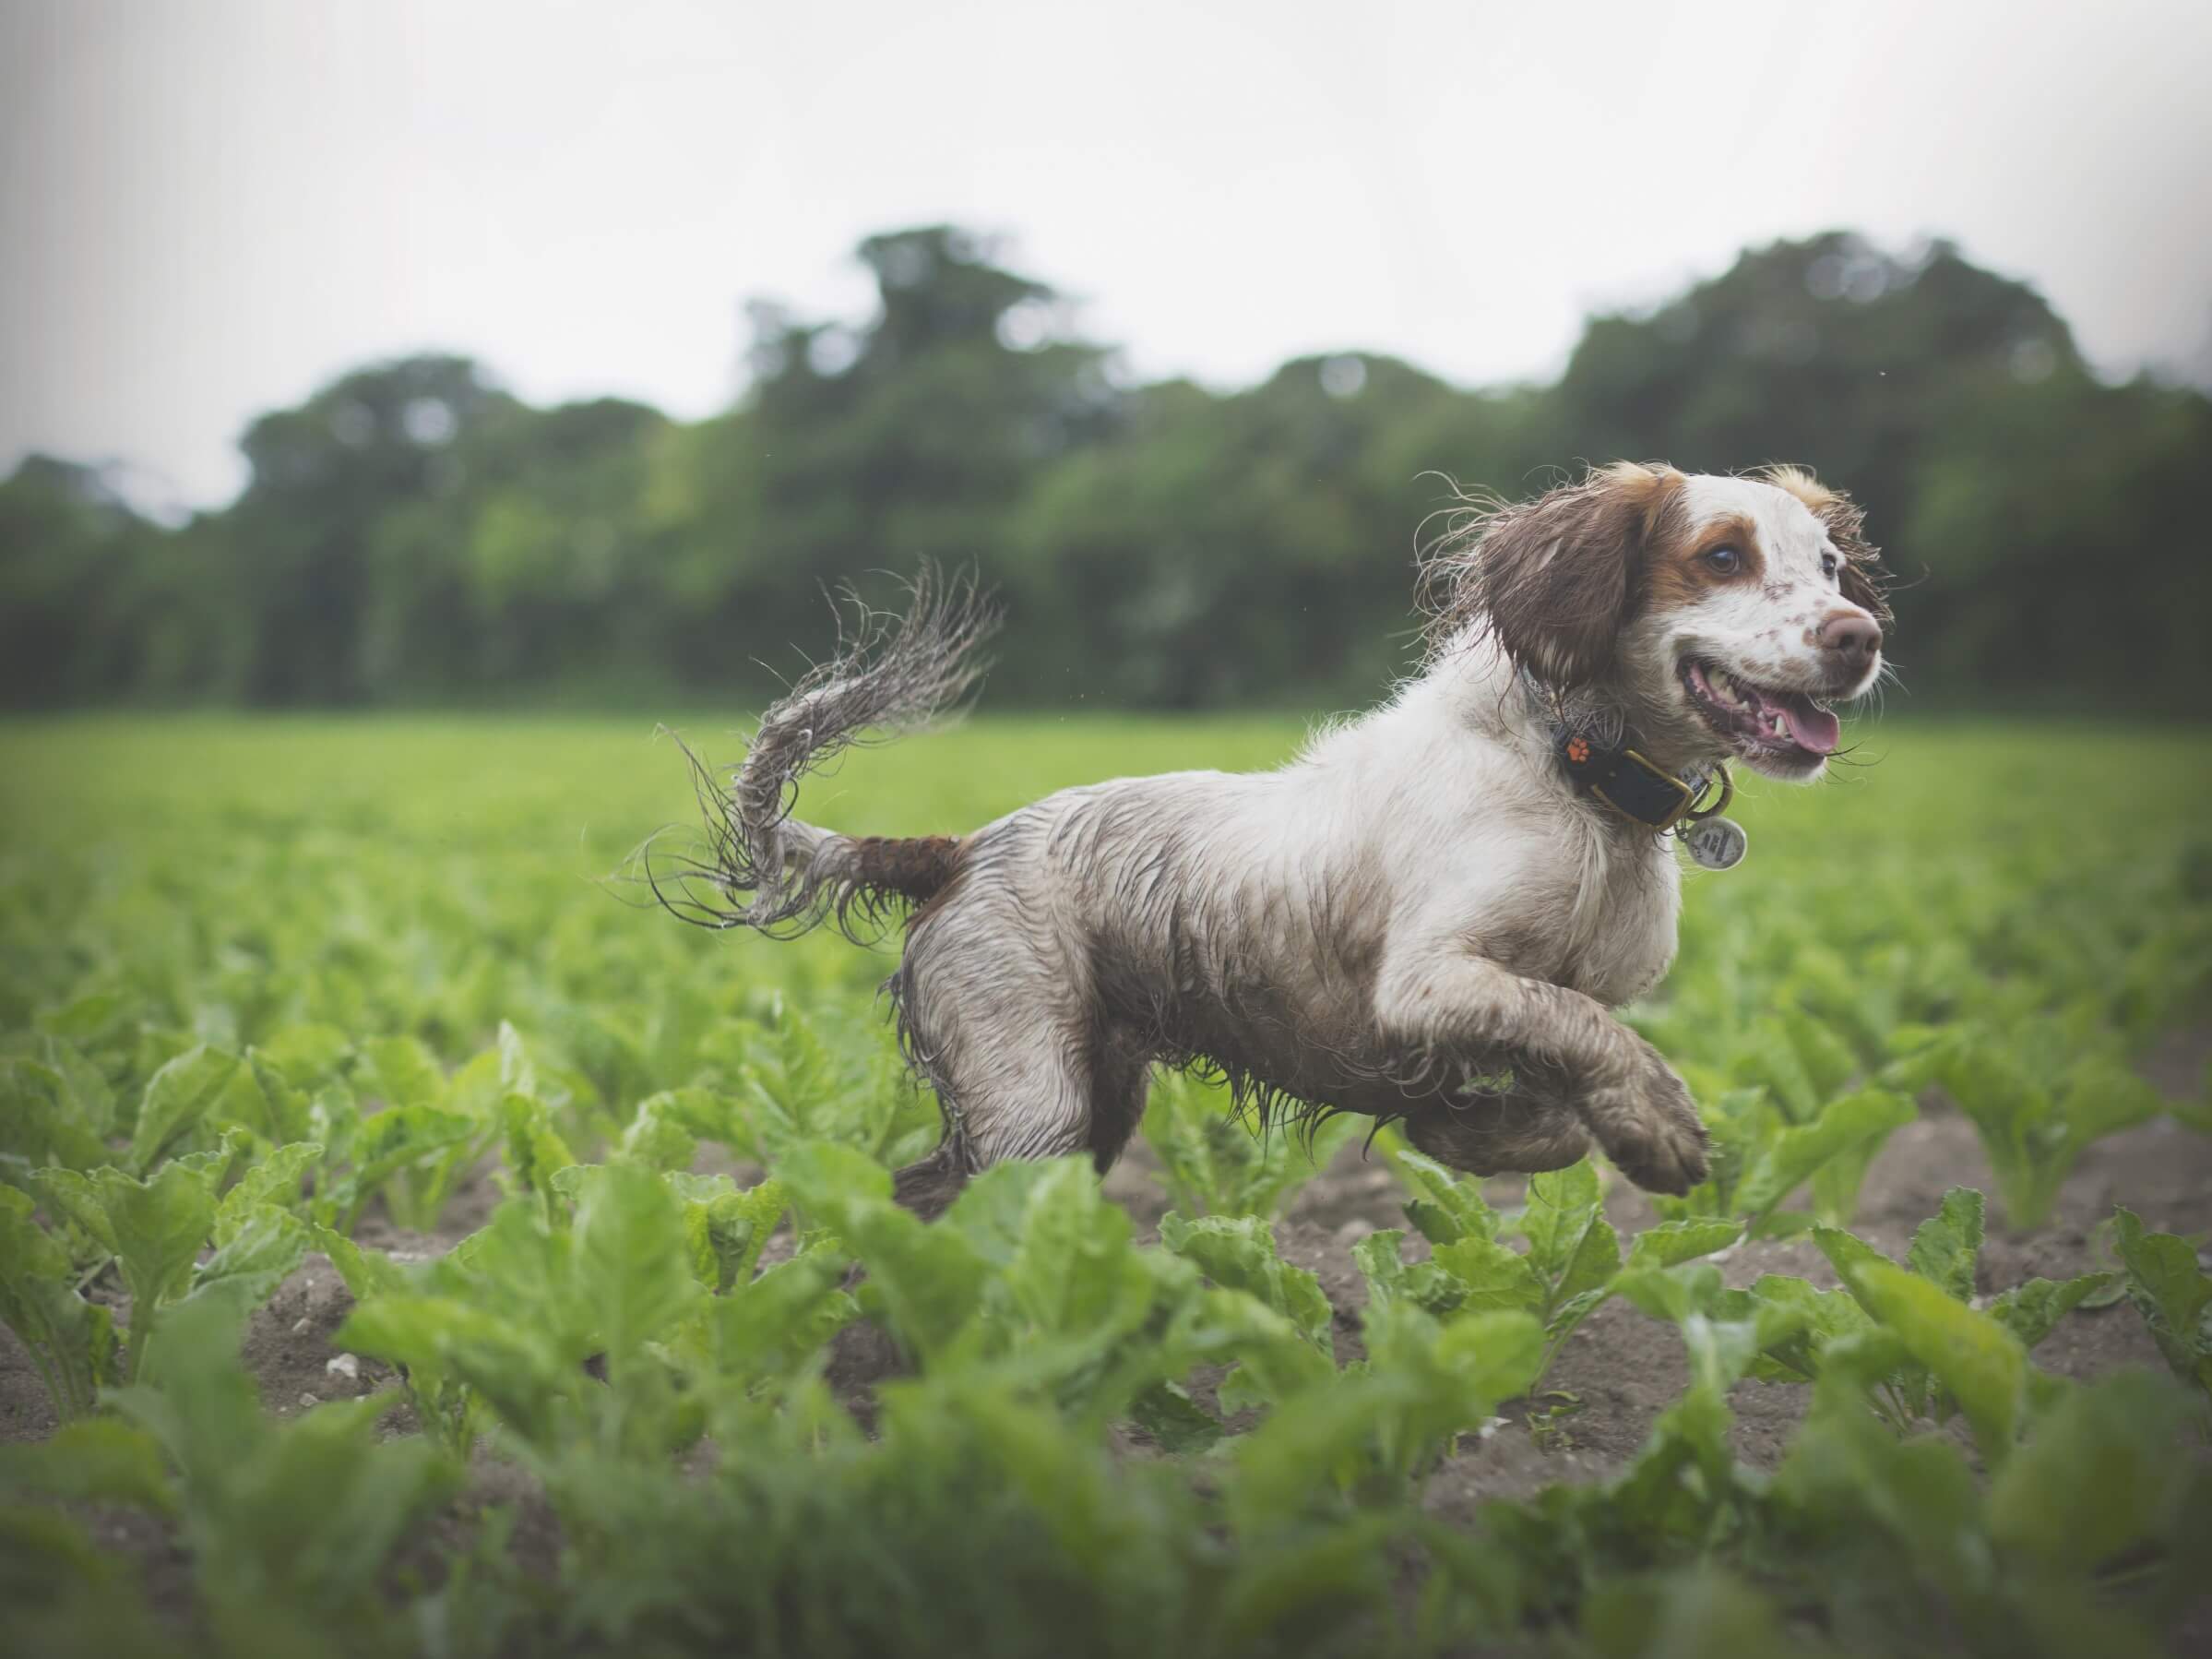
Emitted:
pixel 206 210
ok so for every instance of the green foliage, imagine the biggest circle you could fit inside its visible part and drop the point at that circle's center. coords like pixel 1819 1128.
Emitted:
pixel 1947 1246
pixel 1427 1285
pixel 2172 1293
pixel 1215 1162
pixel 291 1528
pixel 325 1000
pixel 1424 1384
pixel 1273 1318
pixel 1724 1331
pixel 276 1182
pixel 51 1111
pixel 1799 1060
pixel 2031 1309
pixel 71 1341
pixel 2032 1129
pixel 1908 1540
pixel 1573 1264
pixel 925 1281
pixel 1761 1155
pixel 1491 1275
pixel 100 1460
pixel 1239 1253
pixel 202 1083
pixel 1447 1205
pixel 1572 1246
pixel 797 1085
pixel 1972 1356
pixel 1671 1243
pixel 2098 1478
pixel 1909 1339
pixel 153 1229
pixel 512 1314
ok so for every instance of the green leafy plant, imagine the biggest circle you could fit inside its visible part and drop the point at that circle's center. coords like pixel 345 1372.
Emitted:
pixel 1424 1384
pixel 290 1527
pixel 154 1230
pixel 439 1128
pixel 2034 1110
pixel 1760 1157
pixel 55 1109
pixel 71 1341
pixel 2173 1293
pixel 1573 1264
pixel 794 1085
pixel 1801 1063
pixel 1034 1277
pixel 1238 1253
pixel 1880 1332
pixel 1214 1162
pixel 514 1312
pixel 1909 1538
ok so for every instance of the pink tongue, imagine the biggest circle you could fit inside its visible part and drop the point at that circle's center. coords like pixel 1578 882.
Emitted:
pixel 1813 727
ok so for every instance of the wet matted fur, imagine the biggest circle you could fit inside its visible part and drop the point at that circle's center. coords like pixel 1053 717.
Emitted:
pixel 1418 919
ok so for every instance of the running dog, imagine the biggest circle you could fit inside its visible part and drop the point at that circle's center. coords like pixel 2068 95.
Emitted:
pixel 1426 917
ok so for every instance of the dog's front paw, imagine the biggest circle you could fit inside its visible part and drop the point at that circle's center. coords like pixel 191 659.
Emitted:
pixel 1649 1127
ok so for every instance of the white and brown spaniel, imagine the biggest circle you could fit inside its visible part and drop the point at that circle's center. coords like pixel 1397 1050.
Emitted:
pixel 1425 917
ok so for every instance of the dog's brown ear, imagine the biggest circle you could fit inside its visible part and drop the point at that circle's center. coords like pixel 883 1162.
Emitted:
pixel 1864 580
pixel 1554 580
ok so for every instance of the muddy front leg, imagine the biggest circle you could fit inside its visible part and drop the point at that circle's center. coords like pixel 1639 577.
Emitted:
pixel 1628 1099
pixel 1522 1130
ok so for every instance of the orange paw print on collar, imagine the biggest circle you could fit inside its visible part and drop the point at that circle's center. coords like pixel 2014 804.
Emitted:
pixel 1578 750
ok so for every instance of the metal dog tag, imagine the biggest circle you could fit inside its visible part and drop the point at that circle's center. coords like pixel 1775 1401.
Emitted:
pixel 1717 843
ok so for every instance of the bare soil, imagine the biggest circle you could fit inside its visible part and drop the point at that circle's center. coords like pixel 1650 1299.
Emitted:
pixel 1614 1375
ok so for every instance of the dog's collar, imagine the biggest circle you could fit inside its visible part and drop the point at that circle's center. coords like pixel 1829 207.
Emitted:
pixel 1621 776
pixel 1635 785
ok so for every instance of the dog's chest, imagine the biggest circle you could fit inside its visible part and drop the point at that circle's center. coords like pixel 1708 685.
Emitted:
pixel 1603 919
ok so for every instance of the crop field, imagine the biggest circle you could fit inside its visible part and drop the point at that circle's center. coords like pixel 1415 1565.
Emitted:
pixel 410 1241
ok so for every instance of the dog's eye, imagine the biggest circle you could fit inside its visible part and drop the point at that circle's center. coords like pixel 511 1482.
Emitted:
pixel 1727 560
pixel 1828 566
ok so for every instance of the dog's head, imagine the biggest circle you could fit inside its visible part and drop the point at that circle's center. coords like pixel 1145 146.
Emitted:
pixel 1725 615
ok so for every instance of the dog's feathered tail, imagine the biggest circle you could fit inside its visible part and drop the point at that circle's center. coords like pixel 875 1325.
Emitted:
pixel 767 870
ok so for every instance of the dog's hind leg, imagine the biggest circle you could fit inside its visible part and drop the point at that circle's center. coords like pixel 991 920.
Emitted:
pixel 1015 1068
pixel 1030 1101
pixel 928 1186
pixel 1121 1080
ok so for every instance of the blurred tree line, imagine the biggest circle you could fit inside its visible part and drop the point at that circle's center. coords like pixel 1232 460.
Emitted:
pixel 412 533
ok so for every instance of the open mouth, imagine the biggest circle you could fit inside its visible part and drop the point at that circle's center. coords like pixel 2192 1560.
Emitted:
pixel 1786 727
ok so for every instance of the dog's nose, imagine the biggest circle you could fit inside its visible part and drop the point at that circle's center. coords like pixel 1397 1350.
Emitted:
pixel 1851 635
